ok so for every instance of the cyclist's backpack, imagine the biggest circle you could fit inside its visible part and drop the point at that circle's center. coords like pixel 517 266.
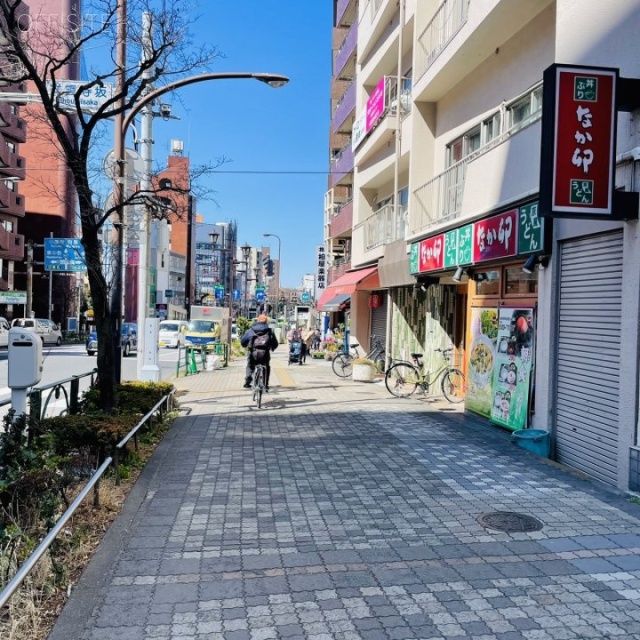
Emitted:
pixel 260 347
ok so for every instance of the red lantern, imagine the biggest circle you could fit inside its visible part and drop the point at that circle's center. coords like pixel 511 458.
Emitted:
pixel 375 300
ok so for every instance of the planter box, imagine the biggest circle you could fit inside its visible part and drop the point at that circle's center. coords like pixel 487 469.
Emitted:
pixel 363 372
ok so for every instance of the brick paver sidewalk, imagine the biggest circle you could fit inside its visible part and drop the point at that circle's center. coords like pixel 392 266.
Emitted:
pixel 339 512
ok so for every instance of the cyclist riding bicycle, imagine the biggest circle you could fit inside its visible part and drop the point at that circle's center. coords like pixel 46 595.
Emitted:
pixel 261 341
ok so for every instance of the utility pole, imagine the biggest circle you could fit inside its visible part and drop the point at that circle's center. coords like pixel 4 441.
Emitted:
pixel 147 361
pixel 29 306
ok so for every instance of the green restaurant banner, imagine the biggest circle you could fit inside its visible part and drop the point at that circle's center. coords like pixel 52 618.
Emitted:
pixel 528 229
pixel 512 368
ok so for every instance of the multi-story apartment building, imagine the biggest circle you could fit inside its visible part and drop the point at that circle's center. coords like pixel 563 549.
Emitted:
pixel 12 205
pixel 49 194
pixel 445 133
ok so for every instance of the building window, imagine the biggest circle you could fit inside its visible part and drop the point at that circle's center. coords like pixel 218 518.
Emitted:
pixel 463 146
pixel 491 127
pixel 522 110
pixel 519 283
pixel 8 225
pixel 488 283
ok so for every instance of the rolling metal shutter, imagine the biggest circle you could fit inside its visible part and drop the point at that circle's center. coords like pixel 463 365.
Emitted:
pixel 379 319
pixel 588 366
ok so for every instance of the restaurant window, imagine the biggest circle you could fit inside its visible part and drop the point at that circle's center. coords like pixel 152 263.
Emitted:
pixel 519 283
pixel 488 283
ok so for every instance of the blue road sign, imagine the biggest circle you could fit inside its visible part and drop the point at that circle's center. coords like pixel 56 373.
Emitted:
pixel 305 297
pixel 64 254
pixel 236 294
pixel 219 291
pixel 259 296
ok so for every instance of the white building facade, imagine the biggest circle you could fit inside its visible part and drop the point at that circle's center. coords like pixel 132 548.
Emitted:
pixel 447 247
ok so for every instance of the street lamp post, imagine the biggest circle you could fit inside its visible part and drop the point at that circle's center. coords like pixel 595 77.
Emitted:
pixel 246 252
pixel 122 122
pixel 273 235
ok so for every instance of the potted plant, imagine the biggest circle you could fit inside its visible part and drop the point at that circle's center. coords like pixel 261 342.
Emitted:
pixel 363 369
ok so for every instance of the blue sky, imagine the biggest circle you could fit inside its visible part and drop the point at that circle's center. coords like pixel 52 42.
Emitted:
pixel 260 129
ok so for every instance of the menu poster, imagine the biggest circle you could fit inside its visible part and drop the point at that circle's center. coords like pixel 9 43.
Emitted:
pixel 512 370
pixel 482 356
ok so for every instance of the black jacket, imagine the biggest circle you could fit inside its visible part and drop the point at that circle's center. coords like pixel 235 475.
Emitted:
pixel 258 329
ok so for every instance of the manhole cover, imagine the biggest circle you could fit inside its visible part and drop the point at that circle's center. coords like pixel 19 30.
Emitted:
pixel 509 522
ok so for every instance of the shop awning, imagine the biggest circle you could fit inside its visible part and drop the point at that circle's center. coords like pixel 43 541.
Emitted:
pixel 362 279
pixel 336 302
pixel 394 266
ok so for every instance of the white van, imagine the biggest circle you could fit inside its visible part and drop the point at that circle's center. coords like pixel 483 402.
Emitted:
pixel 171 333
pixel 48 331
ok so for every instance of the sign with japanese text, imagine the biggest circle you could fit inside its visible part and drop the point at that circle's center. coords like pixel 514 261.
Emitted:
pixel 578 141
pixel 530 229
pixel 431 256
pixel 359 130
pixel 91 99
pixel 64 254
pixel 13 297
pixel 495 237
pixel 414 261
pixel 457 247
pixel 321 269
pixel 375 105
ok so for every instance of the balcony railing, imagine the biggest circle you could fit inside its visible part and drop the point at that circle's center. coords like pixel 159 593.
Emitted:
pixel 446 22
pixel 342 164
pixel 439 201
pixel 345 106
pixel 346 50
pixel 383 226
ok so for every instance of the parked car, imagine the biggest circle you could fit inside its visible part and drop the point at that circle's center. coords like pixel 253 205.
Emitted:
pixel 171 333
pixel 4 332
pixel 48 331
pixel 128 341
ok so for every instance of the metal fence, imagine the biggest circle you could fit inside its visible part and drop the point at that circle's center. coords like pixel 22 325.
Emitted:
pixel 165 403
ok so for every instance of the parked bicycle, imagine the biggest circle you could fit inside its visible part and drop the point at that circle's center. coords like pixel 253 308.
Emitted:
pixel 258 383
pixel 342 364
pixel 403 378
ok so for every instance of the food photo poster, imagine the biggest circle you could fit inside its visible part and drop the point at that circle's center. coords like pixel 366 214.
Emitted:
pixel 512 370
pixel 482 355
pixel 500 365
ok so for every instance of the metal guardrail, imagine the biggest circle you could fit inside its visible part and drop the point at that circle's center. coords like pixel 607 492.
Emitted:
pixel 93 483
pixel 57 390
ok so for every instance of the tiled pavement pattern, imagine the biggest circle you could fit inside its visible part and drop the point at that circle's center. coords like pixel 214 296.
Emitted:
pixel 338 512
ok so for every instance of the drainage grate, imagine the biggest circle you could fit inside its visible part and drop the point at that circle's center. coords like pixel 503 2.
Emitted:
pixel 509 522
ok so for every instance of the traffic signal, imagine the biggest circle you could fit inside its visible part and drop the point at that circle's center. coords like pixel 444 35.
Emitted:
pixel 270 267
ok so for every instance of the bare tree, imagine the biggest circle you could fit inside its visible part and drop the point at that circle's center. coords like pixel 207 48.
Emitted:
pixel 39 51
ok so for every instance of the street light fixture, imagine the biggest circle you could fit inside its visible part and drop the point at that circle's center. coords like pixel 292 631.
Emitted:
pixel 246 253
pixel 122 122
pixel 273 235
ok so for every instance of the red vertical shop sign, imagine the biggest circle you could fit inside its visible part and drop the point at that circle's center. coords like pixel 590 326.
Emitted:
pixel 431 256
pixel 584 140
pixel 495 237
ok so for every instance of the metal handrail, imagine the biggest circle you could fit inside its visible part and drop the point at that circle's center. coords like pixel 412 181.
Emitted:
pixel 31 561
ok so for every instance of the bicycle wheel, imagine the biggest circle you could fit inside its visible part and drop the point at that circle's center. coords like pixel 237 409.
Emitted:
pixel 342 365
pixel 402 379
pixel 259 386
pixel 454 386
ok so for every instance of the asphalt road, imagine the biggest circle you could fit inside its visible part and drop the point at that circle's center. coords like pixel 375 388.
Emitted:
pixel 69 360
